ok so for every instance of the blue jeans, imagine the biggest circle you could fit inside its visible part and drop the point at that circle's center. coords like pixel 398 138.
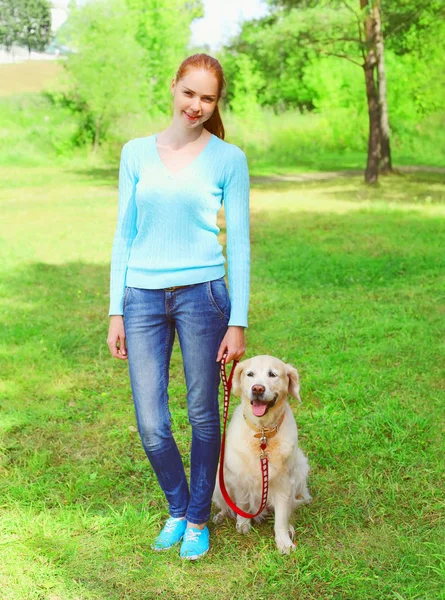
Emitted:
pixel 199 314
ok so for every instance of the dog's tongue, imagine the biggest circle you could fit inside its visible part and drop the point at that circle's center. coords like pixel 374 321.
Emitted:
pixel 258 407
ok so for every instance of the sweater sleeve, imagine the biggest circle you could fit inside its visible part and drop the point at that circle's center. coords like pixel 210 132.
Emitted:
pixel 125 230
pixel 236 208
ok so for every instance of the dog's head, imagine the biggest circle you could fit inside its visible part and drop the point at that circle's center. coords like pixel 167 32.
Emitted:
pixel 265 382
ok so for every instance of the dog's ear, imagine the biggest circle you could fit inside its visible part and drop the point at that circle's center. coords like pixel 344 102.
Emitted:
pixel 294 382
pixel 236 381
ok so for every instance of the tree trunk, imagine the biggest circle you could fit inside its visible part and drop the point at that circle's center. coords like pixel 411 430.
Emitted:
pixel 372 166
pixel 385 147
pixel 96 136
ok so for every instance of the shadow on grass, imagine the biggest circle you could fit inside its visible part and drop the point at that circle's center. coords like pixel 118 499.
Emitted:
pixel 101 175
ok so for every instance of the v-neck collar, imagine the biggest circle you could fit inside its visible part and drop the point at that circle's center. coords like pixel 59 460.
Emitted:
pixel 173 174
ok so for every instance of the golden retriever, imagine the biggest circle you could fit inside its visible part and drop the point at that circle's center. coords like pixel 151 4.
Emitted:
pixel 264 383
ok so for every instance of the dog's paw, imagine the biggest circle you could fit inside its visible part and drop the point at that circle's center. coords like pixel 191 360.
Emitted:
pixel 243 527
pixel 219 518
pixel 284 543
pixel 291 532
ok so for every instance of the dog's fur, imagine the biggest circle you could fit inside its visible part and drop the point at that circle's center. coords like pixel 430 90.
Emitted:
pixel 261 380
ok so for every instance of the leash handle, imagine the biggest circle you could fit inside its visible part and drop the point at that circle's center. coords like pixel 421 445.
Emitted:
pixel 227 384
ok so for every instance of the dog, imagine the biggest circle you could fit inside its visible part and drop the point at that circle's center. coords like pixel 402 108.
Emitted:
pixel 264 382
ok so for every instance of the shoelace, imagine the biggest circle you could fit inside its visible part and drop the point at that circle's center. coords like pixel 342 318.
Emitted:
pixel 171 525
pixel 192 536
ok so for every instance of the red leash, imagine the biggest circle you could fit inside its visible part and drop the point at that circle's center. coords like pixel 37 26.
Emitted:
pixel 227 383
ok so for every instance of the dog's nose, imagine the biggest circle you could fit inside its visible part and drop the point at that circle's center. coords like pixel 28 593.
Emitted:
pixel 258 389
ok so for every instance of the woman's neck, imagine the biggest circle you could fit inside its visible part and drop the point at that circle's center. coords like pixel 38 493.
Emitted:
pixel 176 138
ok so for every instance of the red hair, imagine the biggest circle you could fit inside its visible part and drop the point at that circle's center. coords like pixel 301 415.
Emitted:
pixel 207 63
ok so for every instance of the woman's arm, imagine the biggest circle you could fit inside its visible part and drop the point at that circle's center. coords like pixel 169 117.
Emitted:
pixel 125 230
pixel 123 239
pixel 236 208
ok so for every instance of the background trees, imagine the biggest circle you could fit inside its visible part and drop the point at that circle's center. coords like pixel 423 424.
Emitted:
pixel 25 23
pixel 288 49
pixel 334 77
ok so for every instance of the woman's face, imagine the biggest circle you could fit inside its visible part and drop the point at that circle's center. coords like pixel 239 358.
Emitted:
pixel 195 97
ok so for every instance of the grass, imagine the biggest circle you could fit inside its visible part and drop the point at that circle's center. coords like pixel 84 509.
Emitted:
pixel 347 285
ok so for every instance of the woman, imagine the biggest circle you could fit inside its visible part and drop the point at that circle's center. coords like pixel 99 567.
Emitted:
pixel 167 275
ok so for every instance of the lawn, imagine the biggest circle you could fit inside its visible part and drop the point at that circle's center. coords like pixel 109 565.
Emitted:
pixel 347 285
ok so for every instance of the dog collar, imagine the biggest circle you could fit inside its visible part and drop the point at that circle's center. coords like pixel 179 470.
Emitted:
pixel 265 432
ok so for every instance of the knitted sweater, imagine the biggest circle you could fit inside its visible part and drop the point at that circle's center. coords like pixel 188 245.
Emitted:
pixel 166 232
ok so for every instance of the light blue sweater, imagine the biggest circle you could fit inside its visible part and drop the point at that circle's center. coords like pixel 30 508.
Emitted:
pixel 166 232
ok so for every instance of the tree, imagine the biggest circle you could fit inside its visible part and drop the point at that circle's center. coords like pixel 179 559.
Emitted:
pixel 385 145
pixel 9 23
pixel 104 71
pixel 339 28
pixel 401 22
pixel 25 23
pixel 163 34
pixel 35 24
pixel 369 64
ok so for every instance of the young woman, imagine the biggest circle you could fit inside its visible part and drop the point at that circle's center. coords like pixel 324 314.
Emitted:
pixel 167 276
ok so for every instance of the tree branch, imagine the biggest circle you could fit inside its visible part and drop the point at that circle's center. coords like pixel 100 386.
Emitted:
pixel 345 56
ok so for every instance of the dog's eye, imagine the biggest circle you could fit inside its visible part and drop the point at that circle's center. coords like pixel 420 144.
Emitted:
pixel 272 374
pixel 249 374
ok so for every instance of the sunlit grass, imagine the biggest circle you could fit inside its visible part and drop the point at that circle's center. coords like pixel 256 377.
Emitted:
pixel 347 285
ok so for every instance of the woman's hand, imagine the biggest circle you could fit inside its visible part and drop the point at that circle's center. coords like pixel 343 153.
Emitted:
pixel 116 337
pixel 233 343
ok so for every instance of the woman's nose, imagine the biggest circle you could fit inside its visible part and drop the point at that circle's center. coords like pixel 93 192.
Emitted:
pixel 196 104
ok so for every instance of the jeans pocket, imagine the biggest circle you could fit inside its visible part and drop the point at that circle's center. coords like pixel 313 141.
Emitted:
pixel 219 296
pixel 126 293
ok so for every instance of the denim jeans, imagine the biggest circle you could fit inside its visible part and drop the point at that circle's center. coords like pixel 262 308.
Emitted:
pixel 199 314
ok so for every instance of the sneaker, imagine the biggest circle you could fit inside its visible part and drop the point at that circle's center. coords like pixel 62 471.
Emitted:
pixel 172 533
pixel 195 543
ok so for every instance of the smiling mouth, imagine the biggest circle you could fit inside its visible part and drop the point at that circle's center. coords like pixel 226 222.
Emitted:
pixel 191 117
pixel 260 407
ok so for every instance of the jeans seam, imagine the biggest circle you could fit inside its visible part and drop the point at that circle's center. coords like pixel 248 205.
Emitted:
pixel 165 371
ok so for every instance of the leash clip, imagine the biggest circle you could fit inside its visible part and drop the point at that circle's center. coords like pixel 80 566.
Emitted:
pixel 263 444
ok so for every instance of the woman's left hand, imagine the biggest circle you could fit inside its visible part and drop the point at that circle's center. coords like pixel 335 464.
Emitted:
pixel 233 343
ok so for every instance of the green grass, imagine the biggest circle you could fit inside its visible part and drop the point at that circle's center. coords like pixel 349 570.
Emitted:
pixel 347 285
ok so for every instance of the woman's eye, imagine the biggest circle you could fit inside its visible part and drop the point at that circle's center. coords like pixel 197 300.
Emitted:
pixel 249 374
pixel 187 93
pixel 272 374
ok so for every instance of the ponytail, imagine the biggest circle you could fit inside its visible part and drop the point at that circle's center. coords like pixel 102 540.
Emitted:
pixel 215 124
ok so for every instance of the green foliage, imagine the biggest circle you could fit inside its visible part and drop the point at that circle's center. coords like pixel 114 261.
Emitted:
pixel 309 56
pixel 25 23
pixel 162 31
pixel 9 23
pixel 408 24
pixel 105 70
pixel 245 84
pixel 37 129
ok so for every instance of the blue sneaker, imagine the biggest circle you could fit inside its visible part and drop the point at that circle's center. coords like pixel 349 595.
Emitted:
pixel 172 533
pixel 195 543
